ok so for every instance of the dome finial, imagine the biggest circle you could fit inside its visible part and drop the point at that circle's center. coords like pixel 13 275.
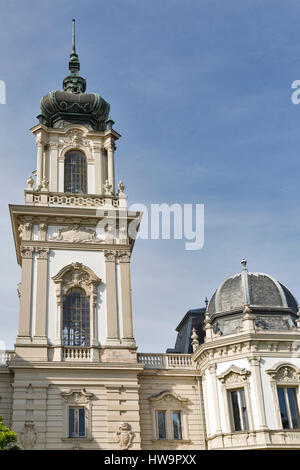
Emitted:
pixel 244 264
pixel 74 65
pixel 73 83
pixel 73 37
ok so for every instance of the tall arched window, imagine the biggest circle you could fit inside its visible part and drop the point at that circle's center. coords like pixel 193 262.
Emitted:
pixel 75 172
pixel 76 318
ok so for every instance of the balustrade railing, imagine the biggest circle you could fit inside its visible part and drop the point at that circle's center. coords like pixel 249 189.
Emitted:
pixel 76 354
pixel 40 198
pixel 165 361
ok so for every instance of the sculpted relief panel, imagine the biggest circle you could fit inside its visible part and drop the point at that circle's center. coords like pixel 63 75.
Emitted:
pixel 76 234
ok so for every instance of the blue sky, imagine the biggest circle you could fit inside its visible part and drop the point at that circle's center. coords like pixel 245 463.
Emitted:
pixel 200 91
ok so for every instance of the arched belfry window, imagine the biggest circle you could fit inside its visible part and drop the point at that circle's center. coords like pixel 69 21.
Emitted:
pixel 75 172
pixel 76 295
pixel 76 318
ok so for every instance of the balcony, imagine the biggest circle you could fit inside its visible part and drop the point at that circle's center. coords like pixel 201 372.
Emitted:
pixel 165 361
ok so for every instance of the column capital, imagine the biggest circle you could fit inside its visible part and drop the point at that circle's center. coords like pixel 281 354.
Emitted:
pixel 254 361
pixel 27 252
pixel 124 256
pixel 212 368
pixel 39 142
pixel 110 146
pixel 110 255
pixel 42 252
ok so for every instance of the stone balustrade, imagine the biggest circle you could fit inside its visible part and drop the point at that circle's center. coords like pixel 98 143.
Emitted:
pixel 41 198
pixel 76 354
pixel 165 361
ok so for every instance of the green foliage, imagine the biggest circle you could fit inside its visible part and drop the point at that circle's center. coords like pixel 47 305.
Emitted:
pixel 7 437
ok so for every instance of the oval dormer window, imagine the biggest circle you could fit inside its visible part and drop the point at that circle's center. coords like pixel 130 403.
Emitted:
pixel 75 173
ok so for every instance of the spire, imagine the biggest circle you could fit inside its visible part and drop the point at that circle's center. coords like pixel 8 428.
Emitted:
pixel 74 64
pixel 74 83
pixel 73 37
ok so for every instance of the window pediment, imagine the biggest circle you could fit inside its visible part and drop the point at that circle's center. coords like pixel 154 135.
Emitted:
pixel 234 376
pixel 76 275
pixel 167 397
pixel 78 396
pixel 285 374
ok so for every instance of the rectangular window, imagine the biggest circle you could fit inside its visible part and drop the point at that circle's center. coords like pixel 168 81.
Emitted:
pixel 177 428
pixel 239 410
pixel 76 422
pixel 287 397
pixel 161 424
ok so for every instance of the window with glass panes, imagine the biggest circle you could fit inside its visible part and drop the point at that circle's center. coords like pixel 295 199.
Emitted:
pixel 289 411
pixel 75 173
pixel 76 318
pixel 77 422
pixel 169 424
pixel 239 410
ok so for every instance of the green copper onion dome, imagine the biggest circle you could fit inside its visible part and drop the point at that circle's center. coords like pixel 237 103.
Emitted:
pixel 73 104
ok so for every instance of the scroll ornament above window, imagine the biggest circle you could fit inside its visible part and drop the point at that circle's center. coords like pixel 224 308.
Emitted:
pixel 76 275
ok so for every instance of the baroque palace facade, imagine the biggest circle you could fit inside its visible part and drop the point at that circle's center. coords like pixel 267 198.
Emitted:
pixel 75 379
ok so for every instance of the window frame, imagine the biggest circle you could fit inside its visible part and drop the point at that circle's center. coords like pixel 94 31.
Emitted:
pixel 77 399
pixel 84 177
pixel 284 375
pixel 76 421
pixel 244 423
pixel 169 403
pixel 233 379
pixel 84 312
pixel 288 406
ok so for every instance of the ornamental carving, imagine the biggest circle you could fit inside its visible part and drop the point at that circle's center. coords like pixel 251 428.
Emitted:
pixel 287 375
pixel 76 234
pixel 110 255
pixel 234 376
pixel 167 397
pixel 75 138
pixel 124 436
pixel 124 256
pixel 76 275
pixel 42 253
pixel 29 435
pixel 78 396
pixel 27 252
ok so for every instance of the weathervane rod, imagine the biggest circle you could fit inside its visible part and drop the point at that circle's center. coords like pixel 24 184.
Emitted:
pixel 73 37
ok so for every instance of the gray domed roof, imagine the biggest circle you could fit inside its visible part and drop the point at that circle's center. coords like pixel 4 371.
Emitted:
pixel 256 289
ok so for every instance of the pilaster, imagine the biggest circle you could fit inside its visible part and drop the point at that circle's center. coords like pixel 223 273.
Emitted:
pixel 258 392
pixel 127 333
pixel 41 299
pixel 25 297
pixel 111 298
